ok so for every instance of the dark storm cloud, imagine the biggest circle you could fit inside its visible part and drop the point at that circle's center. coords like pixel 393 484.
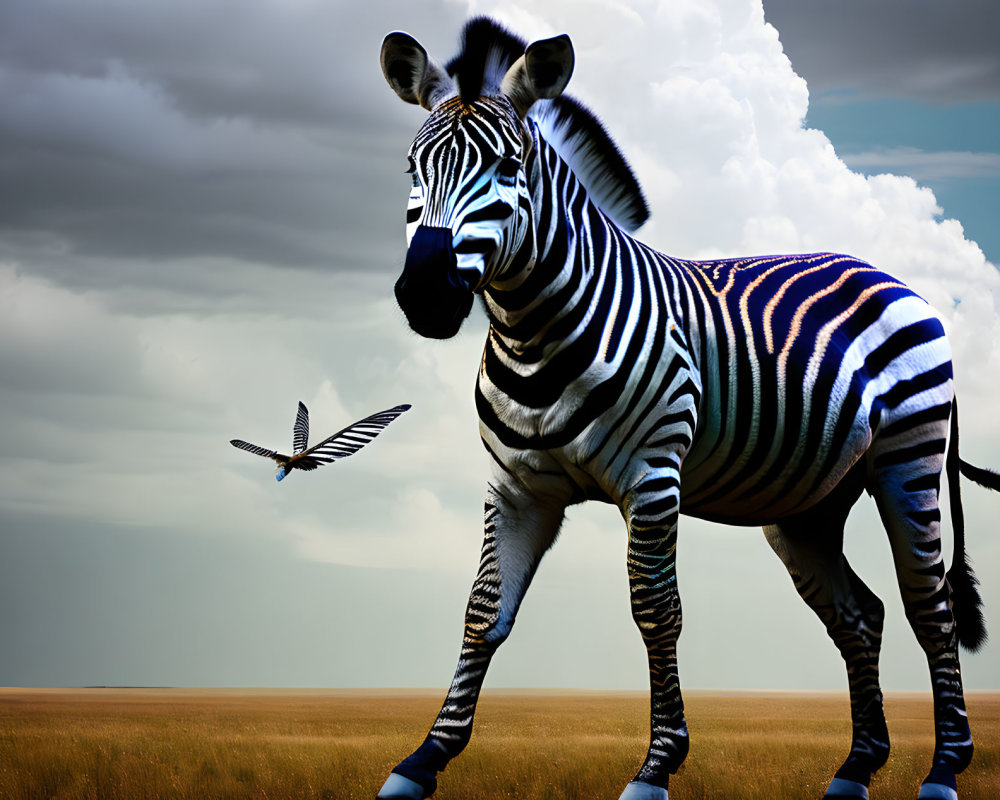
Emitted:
pixel 937 52
pixel 219 59
pixel 164 131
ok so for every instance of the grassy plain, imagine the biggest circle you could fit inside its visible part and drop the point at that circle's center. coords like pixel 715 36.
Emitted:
pixel 108 744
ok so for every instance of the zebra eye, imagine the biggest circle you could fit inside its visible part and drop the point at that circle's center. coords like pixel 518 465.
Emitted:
pixel 411 170
pixel 507 171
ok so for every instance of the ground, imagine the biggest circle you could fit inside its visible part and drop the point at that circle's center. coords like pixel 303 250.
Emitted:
pixel 340 745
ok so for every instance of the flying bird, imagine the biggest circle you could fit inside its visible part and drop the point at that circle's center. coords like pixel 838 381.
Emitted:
pixel 340 445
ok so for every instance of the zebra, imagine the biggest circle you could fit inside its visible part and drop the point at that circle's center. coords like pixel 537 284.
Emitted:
pixel 774 390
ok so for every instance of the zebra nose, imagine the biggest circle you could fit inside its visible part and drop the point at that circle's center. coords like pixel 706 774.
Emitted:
pixel 430 258
pixel 431 292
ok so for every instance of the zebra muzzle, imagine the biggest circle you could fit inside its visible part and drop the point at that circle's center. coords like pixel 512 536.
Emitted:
pixel 431 292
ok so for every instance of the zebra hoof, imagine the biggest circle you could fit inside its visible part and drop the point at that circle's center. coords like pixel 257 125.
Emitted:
pixel 842 789
pixel 636 790
pixel 399 788
pixel 936 791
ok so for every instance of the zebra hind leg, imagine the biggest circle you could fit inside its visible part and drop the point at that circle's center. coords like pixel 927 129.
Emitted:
pixel 911 517
pixel 812 552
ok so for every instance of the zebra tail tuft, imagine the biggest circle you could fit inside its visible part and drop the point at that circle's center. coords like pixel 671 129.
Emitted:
pixel 967 606
pixel 967 603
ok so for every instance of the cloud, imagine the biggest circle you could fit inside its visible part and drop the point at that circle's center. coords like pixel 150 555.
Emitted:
pixel 219 240
pixel 423 534
pixel 925 165
pixel 935 52
pixel 198 130
pixel 714 128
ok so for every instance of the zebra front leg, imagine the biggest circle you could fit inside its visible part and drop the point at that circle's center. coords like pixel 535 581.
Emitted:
pixel 518 530
pixel 651 512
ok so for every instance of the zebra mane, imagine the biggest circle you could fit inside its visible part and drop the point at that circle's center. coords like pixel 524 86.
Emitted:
pixel 585 145
pixel 488 50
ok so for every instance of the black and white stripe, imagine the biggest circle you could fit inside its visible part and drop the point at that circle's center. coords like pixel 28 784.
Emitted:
pixel 343 443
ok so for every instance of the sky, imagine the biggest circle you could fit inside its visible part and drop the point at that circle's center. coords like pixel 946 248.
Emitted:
pixel 202 219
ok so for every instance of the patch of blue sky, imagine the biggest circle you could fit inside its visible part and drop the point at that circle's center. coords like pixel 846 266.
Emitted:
pixel 858 122
pixel 952 149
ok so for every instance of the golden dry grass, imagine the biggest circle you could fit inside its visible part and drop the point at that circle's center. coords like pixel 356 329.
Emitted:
pixel 131 744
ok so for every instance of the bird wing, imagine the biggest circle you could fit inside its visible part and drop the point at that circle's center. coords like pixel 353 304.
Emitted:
pixel 348 441
pixel 300 431
pixel 257 450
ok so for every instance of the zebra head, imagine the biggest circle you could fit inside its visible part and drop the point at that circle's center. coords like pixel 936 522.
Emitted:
pixel 469 219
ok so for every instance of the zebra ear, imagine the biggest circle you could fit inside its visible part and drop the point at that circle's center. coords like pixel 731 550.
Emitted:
pixel 540 74
pixel 411 73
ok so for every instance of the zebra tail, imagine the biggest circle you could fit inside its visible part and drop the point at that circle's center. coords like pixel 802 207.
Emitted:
pixel 967 604
pixel 986 478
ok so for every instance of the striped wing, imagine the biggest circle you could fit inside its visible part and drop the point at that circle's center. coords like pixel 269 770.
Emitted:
pixel 300 432
pixel 348 441
pixel 257 450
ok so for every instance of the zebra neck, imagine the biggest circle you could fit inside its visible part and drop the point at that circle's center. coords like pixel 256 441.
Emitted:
pixel 548 292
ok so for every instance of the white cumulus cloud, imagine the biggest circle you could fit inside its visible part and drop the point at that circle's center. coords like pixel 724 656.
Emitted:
pixel 702 99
